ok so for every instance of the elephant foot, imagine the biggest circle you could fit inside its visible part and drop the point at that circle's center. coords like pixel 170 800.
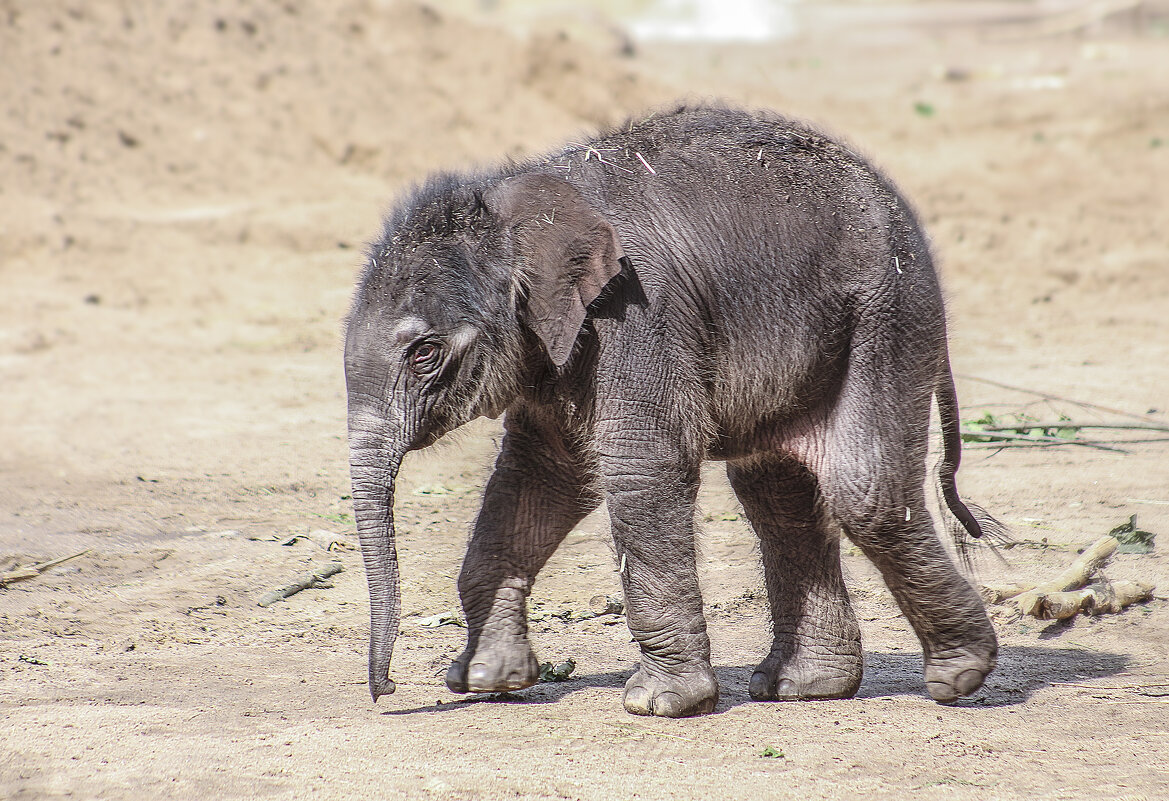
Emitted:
pixel 782 677
pixel 494 668
pixel 691 691
pixel 956 673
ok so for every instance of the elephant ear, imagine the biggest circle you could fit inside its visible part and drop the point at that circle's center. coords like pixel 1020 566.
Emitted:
pixel 567 252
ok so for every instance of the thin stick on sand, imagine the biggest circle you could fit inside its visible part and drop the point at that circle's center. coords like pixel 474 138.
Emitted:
pixel 1078 426
pixel 32 571
pixel 1048 396
pixel 317 579
pixel 996 437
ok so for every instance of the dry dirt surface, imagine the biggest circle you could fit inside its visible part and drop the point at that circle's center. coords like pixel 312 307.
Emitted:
pixel 184 194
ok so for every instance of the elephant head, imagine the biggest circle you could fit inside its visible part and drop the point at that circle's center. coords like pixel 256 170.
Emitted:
pixel 470 288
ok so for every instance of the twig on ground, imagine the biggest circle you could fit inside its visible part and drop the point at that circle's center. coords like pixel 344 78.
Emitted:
pixel 993 437
pixel 1100 598
pixel 32 571
pixel 997 593
pixel 1067 595
pixel 317 579
pixel 1077 575
pixel 1069 424
pixel 1049 396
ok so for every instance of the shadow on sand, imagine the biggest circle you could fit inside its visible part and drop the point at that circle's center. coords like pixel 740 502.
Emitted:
pixel 1021 671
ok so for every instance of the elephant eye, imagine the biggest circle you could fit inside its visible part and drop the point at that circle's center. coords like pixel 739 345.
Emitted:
pixel 425 358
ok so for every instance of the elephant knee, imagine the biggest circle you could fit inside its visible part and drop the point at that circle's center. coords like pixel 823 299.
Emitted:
pixel 863 506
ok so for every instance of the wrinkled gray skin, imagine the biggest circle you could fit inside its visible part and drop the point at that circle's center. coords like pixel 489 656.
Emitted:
pixel 761 297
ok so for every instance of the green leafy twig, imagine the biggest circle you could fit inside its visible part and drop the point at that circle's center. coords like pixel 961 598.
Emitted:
pixel 1066 425
pixel 561 672
pixel 1025 430
pixel 1131 538
pixel 1009 439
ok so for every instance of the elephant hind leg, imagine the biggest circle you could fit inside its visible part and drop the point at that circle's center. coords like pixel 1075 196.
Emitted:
pixel 872 479
pixel 816 649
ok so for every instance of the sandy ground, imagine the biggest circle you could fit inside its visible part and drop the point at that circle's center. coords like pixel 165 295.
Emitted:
pixel 183 199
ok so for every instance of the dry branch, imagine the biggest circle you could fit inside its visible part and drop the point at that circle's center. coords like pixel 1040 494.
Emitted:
pixel 318 579
pixel 1076 576
pixel 1048 396
pixel 1066 595
pixel 32 571
pixel 997 593
pixel 1100 598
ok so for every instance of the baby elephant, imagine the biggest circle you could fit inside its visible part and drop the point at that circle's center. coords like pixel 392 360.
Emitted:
pixel 707 283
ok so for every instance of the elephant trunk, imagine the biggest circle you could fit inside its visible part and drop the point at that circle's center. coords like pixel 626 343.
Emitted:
pixel 373 465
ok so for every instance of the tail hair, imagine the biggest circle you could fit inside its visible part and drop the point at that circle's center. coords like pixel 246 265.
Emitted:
pixel 969 520
pixel 992 532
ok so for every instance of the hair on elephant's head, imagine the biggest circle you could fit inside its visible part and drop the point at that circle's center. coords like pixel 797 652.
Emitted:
pixel 468 282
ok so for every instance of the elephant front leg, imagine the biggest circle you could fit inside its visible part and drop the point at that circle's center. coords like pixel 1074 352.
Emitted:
pixel 498 656
pixel 816 650
pixel 651 504
pixel 533 499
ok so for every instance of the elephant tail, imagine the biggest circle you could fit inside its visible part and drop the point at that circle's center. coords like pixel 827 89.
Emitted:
pixel 971 520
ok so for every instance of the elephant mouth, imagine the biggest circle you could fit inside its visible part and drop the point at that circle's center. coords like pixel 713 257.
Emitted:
pixel 426 440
